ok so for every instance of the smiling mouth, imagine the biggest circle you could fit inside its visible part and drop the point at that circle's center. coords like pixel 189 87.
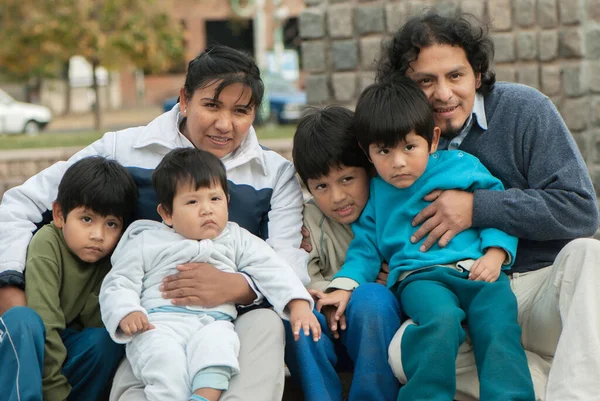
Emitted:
pixel 219 139
pixel 344 209
pixel 447 109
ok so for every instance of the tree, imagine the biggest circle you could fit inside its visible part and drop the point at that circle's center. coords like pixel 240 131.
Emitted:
pixel 43 34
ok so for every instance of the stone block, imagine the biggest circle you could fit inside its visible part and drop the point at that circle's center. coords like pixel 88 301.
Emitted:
pixel 416 7
pixel 524 11
pixel 570 43
pixel 313 56
pixel 593 10
pixel 529 75
pixel 447 7
pixel 317 89
pixel 592 43
pixel 369 19
pixel 338 1
pixel 594 83
pixel 570 11
pixel 506 73
pixel 370 49
pixel 312 23
pixel 504 44
pixel 551 79
pixel 339 21
pixel 574 80
pixel 310 3
pixel 575 112
pixel 527 45
pixel 500 12
pixel 473 7
pixel 344 86
pixel 595 111
pixel 547 13
pixel 548 45
pixel 395 16
pixel 344 54
pixel 366 79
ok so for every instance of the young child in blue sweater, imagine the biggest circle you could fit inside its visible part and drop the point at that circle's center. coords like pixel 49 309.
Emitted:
pixel 443 288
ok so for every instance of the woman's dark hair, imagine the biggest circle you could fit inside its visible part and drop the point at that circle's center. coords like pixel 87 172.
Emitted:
pixel 325 139
pixel 432 28
pixel 389 110
pixel 222 63
pixel 101 185
pixel 187 166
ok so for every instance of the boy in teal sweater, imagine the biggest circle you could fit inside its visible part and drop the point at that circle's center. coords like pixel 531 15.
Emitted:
pixel 336 172
pixel 443 288
pixel 66 263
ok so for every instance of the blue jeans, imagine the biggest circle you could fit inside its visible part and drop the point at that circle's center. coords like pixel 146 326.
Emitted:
pixel 372 317
pixel 92 358
pixel 22 335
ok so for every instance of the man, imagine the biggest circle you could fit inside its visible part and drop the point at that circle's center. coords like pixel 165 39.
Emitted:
pixel 549 201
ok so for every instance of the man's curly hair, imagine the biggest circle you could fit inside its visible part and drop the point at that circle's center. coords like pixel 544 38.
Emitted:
pixel 431 28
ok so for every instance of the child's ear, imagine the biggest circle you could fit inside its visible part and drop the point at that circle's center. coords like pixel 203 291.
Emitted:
pixel 166 216
pixel 57 215
pixel 435 140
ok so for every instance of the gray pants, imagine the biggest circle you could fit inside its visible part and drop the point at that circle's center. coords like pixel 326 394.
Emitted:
pixel 261 375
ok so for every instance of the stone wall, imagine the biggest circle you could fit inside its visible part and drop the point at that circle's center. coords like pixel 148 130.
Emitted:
pixel 552 45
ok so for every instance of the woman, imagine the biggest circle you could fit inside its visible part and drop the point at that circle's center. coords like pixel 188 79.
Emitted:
pixel 218 104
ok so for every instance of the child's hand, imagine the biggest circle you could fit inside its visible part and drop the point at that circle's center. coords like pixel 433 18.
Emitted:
pixel 487 268
pixel 135 322
pixel 332 322
pixel 302 318
pixel 339 299
pixel 306 244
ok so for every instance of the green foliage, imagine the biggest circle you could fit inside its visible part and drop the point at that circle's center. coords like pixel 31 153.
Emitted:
pixel 38 36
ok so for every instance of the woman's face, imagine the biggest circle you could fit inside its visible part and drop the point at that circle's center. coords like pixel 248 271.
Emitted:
pixel 218 125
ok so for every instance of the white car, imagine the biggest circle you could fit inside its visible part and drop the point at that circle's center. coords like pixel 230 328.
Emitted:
pixel 18 117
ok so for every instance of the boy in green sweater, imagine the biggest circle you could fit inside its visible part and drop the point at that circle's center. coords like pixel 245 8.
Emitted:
pixel 337 172
pixel 66 263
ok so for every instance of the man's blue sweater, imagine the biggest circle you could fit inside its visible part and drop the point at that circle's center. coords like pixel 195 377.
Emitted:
pixel 384 228
pixel 549 198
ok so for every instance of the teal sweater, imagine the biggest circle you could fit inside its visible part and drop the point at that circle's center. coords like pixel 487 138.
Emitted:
pixel 384 228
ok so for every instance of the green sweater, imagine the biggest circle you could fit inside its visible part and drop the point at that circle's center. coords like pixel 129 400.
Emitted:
pixel 63 290
pixel 330 241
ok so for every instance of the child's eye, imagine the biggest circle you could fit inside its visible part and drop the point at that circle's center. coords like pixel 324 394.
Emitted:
pixel 242 111
pixel 320 187
pixel 383 151
pixel 216 198
pixel 113 224
pixel 86 219
pixel 347 179
pixel 210 105
pixel 191 202
pixel 409 147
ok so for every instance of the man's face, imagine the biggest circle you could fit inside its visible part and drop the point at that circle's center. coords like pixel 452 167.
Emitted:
pixel 443 72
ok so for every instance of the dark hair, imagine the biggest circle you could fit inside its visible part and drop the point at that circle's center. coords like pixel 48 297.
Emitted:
pixel 389 110
pixel 432 28
pixel 230 66
pixel 187 165
pixel 99 184
pixel 324 139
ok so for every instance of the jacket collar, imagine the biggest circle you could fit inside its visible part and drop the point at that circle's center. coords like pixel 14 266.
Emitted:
pixel 164 131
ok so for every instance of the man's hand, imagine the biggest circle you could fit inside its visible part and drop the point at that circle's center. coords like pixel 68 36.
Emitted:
pixel 329 313
pixel 487 268
pixel 302 318
pixel 11 296
pixel 382 277
pixel 450 212
pixel 135 322
pixel 305 244
pixel 200 284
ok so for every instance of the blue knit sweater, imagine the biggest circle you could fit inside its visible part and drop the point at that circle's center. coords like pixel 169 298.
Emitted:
pixel 549 198
pixel 384 228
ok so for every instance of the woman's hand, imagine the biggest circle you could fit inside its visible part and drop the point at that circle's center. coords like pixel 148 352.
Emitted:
pixel 202 284
pixel 338 299
pixel 305 244
pixel 329 313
